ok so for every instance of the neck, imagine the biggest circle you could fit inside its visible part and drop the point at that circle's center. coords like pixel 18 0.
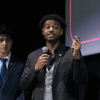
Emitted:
pixel 52 46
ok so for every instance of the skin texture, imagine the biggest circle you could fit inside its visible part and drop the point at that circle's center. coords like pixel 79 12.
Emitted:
pixel 5 45
pixel 52 32
pixel 76 46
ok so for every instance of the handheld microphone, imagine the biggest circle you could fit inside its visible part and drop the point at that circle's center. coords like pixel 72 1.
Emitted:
pixel 44 50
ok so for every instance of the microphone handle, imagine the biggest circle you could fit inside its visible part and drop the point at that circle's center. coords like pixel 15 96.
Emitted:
pixel 44 68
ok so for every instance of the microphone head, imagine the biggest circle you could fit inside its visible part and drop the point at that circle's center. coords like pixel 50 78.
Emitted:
pixel 44 50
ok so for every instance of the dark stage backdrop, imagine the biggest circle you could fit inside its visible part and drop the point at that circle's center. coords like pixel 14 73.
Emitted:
pixel 83 19
pixel 85 23
pixel 23 16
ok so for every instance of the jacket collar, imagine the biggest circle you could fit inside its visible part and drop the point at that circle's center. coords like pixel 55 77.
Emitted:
pixel 10 68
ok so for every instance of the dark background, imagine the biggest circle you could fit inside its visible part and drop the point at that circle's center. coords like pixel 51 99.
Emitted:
pixel 23 18
pixel 85 23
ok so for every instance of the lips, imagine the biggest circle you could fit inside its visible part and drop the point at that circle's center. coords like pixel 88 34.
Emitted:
pixel 4 47
pixel 51 35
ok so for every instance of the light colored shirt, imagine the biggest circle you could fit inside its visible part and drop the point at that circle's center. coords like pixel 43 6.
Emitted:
pixel 48 84
pixel 7 62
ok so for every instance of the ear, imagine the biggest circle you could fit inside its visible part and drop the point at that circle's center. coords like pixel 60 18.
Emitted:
pixel 61 32
pixel 43 31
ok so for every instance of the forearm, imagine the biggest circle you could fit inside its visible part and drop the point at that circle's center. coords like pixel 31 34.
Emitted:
pixel 80 74
pixel 27 78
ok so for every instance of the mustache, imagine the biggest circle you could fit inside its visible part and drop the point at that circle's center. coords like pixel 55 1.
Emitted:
pixel 51 33
pixel 3 47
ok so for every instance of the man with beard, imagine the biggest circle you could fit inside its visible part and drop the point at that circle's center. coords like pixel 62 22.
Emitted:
pixel 54 75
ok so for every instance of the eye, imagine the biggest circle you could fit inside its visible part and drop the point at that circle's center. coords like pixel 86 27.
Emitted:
pixel 1 40
pixel 48 27
pixel 56 27
pixel 8 40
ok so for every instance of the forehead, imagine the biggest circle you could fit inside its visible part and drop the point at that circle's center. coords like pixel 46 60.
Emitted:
pixel 4 36
pixel 51 22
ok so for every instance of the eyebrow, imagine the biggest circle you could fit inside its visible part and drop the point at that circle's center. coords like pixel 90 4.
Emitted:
pixel 5 38
pixel 49 24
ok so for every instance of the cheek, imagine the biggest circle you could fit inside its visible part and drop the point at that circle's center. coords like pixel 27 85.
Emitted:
pixel 9 45
pixel 58 33
pixel 45 32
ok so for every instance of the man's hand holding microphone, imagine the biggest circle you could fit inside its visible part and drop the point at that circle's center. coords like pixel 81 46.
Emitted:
pixel 43 60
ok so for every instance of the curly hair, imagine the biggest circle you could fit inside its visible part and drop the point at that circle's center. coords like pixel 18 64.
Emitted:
pixel 5 30
pixel 53 17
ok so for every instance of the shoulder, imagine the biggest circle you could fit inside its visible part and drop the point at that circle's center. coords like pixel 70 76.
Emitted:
pixel 17 63
pixel 17 59
pixel 67 47
pixel 34 53
pixel 63 47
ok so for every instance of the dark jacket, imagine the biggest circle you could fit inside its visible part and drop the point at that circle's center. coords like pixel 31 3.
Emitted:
pixel 10 89
pixel 67 75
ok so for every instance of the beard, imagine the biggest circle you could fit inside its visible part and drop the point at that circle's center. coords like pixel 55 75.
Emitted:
pixel 52 40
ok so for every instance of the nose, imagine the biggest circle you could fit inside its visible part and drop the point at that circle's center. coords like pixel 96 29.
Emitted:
pixel 4 42
pixel 51 29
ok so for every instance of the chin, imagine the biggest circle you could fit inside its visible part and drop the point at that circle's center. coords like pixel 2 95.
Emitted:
pixel 4 51
pixel 52 41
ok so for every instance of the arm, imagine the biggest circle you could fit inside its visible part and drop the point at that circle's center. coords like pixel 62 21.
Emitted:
pixel 28 78
pixel 20 93
pixel 80 74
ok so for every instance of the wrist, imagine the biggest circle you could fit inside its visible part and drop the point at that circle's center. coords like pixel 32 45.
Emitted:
pixel 77 57
pixel 36 70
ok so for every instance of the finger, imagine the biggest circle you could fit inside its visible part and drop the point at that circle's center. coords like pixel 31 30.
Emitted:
pixel 74 41
pixel 78 40
pixel 44 61
pixel 44 58
pixel 45 55
pixel 73 47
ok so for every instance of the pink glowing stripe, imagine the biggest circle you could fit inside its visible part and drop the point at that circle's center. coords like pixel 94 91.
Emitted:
pixel 70 28
pixel 90 40
pixel 70 20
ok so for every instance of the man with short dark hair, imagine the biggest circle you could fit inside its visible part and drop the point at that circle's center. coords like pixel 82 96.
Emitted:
pixel 11 68
pixel 54 75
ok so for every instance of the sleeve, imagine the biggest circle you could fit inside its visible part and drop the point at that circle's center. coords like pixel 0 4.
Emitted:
pixel 20 94
pixel 80 74
pixel 28 78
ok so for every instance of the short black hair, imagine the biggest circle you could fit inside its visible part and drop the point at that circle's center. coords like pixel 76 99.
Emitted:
pixel 5 31
pixel 53 17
